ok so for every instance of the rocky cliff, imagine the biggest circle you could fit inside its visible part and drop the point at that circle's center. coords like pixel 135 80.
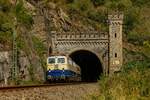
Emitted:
pixel 32 43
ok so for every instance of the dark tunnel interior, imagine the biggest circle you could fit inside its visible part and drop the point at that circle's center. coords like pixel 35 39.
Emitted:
pixel 91 67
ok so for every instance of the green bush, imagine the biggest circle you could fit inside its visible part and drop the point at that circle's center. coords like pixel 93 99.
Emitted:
pixel 131 19
pixel 22 15
pixel 39 46
pixel 8 13
pixel 5 28
pixel 140 3
pixel 98 2
pixel 132 83
pixel 134 38
pixel 81 5
pixel 6 38
pixel 69 1
pixel 5 5
pixel 120 5
pixel 97 16
pixel 20 43
pixel 146 46
pixel 31 73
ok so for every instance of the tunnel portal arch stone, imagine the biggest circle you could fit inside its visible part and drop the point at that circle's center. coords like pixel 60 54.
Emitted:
pixel 106 45
pixel 95 42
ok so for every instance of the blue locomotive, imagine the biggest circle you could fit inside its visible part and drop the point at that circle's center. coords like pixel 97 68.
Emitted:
pixel 62 68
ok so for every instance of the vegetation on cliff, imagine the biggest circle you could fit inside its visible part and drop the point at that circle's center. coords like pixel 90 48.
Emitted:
pixel 15 17
pixel 12 16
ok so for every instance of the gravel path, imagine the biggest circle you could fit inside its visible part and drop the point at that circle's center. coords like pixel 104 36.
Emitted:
pixel 69 92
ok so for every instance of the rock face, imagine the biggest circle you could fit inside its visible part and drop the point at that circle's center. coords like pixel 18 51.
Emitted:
pixel 5 64
pixel 39 28
pixel 26 71
pixel 24 66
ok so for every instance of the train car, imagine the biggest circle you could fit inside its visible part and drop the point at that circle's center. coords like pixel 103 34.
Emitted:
pixel 62 68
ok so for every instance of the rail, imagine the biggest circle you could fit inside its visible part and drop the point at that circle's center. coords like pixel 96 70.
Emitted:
pixel 42 85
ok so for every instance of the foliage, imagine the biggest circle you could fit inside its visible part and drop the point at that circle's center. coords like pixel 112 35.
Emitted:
pixel 5 5
pixel 120 5
pixel 5 22
pixel 132 83
pixel 22 15
pixel 29 82
pixel 98 17
pixel 81 5
pixel 146 47
pixel 40 50
pixel 135 39
pixel 20 43
pixel 131 19
pixel 140 2
pixel 70 1
pixel 5 37
pixel 9 16
pixel 147 44
pixel 39 46
pixel 31 73
pixel 98 2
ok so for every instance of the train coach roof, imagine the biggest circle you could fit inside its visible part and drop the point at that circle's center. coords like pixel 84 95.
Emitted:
pixel 56 56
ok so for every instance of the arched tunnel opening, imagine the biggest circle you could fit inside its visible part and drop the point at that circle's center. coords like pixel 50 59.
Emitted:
pixel 90 64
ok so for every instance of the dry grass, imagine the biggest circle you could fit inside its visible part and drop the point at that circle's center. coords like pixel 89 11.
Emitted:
pixel 133 83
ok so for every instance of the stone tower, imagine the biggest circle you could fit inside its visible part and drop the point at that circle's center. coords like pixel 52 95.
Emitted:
pixel 115 39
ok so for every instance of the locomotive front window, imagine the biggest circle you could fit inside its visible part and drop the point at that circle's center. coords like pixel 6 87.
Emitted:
pixel 61 60
pixel 51 60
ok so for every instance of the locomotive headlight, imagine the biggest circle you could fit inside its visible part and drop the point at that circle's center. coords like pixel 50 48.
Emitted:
pixel 116 62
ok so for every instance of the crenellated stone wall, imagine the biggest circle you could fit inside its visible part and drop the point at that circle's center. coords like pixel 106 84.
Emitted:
pixel 93 41
pixel 106 45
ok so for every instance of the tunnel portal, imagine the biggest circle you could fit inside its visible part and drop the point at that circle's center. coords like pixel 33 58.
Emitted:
pixel 90 64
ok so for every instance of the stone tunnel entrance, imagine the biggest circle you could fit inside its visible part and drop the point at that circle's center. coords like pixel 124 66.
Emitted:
pixel 91 66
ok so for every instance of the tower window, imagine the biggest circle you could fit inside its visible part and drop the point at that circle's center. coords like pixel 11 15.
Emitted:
pixel 115 35
pixel 115 54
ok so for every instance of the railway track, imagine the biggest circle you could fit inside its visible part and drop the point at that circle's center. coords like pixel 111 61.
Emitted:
pixel 42 85
pixel 54 91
